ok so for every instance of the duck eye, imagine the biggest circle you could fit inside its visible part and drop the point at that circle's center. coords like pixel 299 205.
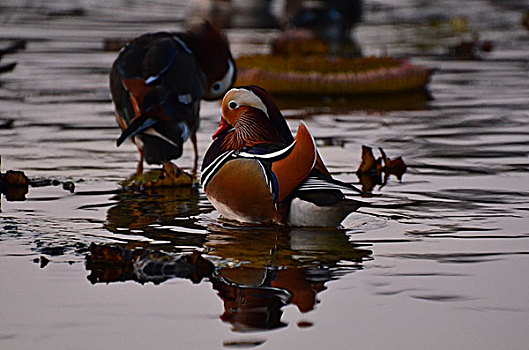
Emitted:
pixel 233 105
pixel 216 87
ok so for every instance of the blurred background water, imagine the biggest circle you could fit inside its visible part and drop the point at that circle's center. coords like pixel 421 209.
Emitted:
pixel 441 262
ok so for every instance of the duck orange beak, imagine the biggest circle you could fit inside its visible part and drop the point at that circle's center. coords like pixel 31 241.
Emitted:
pixel 223 127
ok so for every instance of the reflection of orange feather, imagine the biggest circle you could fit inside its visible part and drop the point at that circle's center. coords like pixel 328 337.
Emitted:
pixel 295 281
pixel 294 168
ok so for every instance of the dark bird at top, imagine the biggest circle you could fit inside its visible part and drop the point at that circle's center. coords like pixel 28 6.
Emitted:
pixel 331 20
pixel 157 82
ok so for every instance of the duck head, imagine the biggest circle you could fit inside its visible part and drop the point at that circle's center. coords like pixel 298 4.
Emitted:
pixel 212 51
pixel 249 117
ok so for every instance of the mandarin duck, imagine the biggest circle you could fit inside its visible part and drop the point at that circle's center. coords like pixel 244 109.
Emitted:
pixel 254 171
pixel 157 82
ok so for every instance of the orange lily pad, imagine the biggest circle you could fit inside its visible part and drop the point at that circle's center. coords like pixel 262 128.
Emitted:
pixel 324 75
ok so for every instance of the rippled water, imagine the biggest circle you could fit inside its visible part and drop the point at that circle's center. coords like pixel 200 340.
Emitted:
pixel 440 261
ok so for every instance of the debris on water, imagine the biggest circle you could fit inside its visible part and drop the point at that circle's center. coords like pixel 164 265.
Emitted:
pixel 52 250
pixel 525 20
pixel 72 12
pixel 12 47
pixel 66 185
pixel 169 176
pixel 372 172
pixel 395 166
pixel 112 263
pixel 7 67
pixel 369 163
pixel 243 344
pixel 69 186
pixel 44 261
pixel 305 324
pixel 14 185
pixel 40 183
pixel 6 124
pixel 14 178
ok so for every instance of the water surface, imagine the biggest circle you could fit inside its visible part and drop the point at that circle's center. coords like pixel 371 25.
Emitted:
pixel 441 262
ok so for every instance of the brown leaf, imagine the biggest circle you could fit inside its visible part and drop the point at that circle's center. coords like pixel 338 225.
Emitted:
pixel 169 176
pixel 369 162
pixel 370 170
pixel 368 182
pixel 14 178
pixel 14 185
pixel 15 193
pixel 396 167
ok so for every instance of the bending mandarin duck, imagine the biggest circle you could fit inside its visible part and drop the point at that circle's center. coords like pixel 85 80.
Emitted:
pixel 157 82
pixel 256 172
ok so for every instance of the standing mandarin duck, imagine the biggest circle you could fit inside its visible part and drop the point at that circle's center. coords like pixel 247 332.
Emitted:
pixel 256 172
pixel 157 82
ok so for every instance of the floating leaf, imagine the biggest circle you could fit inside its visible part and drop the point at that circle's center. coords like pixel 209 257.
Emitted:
pixel 396 167
pixel 112 263
pixel 14 178
pixel 368 161
pixel 69 186
pixel 14 185
pixel 371 170
pixel 169 176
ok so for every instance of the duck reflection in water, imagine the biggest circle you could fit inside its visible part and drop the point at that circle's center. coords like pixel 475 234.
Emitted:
pixel 152 213
pixel 276 267
pixel 257 271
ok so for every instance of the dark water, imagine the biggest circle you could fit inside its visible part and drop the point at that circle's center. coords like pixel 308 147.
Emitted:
pixel 441 262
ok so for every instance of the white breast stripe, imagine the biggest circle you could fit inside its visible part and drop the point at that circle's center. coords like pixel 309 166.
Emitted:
pixel 267 155
pixel 213 168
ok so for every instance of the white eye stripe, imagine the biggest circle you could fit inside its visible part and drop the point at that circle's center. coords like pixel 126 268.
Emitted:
pixel 245 97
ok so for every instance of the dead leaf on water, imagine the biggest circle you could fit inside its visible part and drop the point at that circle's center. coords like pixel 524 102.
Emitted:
pixel 169 176
pixel 14 185
pixel 372 172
